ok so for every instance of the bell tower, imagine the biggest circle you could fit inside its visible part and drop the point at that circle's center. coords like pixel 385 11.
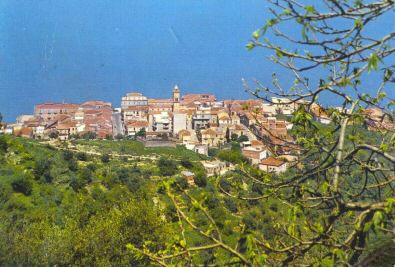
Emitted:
pixel 176 97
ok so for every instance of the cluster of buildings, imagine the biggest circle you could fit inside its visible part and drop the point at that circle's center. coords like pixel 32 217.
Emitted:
pixel 64 120
pixel 198 121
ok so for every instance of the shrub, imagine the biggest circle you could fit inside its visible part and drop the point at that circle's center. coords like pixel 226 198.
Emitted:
pixel 73 166
pixel 186 163
pixel 3 144
pixel 22 184
pixel 105 158
pixel 167 167
pixel 234 137
pixel 53 135
pixel 230 205
pixel 200 179
pixel 82 156
pixel 68 155
pixel 242 138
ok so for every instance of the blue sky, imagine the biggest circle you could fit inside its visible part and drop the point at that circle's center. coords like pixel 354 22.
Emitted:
pixel 75 50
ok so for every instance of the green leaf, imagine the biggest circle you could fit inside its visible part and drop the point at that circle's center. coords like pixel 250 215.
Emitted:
pixel 378 218
pixel 287 12
pixel 309 10
pixel 279 54
pixel 373 62
pixel 250 46
pixel 358 23
pixel 256 34
pixel 387 74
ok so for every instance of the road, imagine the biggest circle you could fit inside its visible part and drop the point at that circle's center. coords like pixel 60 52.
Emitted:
pixel 117 125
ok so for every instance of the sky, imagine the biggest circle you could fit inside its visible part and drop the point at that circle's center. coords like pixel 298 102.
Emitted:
pixel 75 50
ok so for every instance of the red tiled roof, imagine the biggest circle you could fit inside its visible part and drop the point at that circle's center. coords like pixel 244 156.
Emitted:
pixel 51 105
pixel 136 123
pixel 272 162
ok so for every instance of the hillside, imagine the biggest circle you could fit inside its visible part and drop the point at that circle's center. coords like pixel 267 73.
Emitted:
pixel 62 207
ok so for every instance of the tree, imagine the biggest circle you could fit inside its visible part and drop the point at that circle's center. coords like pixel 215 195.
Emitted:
pixel 141 133
pixel 227 135
pixel 242 138
pixel 53 134
pixel 89 135
pixel 105 158
pixel 82 156
pixel 22 184
pixel 326 211
pixel 200 179
pixel 167 167
pixel 186 163
pixel 233 137
pixel 68 155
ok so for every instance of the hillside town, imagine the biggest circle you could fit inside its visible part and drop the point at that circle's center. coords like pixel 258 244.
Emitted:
pixel 197 121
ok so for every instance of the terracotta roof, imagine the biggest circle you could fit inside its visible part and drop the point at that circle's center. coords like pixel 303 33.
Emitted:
pixel 134 94
pixel 256 143
pixel 239 127
pixel 135 108
pixel 160 101
pixel 272 162
pixel 209 131
pixel 51 105
pixel 184 133
pixel 136 123
pixel 26 131
pixel 67 125
pixel 96 103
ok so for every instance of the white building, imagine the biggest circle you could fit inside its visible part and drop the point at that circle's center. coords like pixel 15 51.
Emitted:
pixel 162 122
pixel 179 122
pixel 273 165
pixel 133 99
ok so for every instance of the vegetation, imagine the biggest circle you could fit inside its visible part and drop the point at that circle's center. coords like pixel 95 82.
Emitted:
pixel 117 203
pixel 340 199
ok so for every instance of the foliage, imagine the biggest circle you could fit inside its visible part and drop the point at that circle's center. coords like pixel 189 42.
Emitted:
pixel 105 158
pixel 339 196
pixel 53 135
pixel 167 167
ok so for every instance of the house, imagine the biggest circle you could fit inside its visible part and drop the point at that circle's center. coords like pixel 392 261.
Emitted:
pixel 22 119
pixel 320 114
pixel 48 111
pixel 214 167
pixel 224 119
pixel 273 165
pixel 134 126
pixel 256 155
pixel 190 177
pixel 235 119
pixel 214 136
pixel 185 136
pixel 160 105
pixel 284 105
pixel 161 122
pixel 201 118
pixel 179 122
pixel 25 132
pixel 240 106
pixel 238 130
pixel 205 99
pixel 133 99
pixel 65 129
pixel 135 113
pixel 201 149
